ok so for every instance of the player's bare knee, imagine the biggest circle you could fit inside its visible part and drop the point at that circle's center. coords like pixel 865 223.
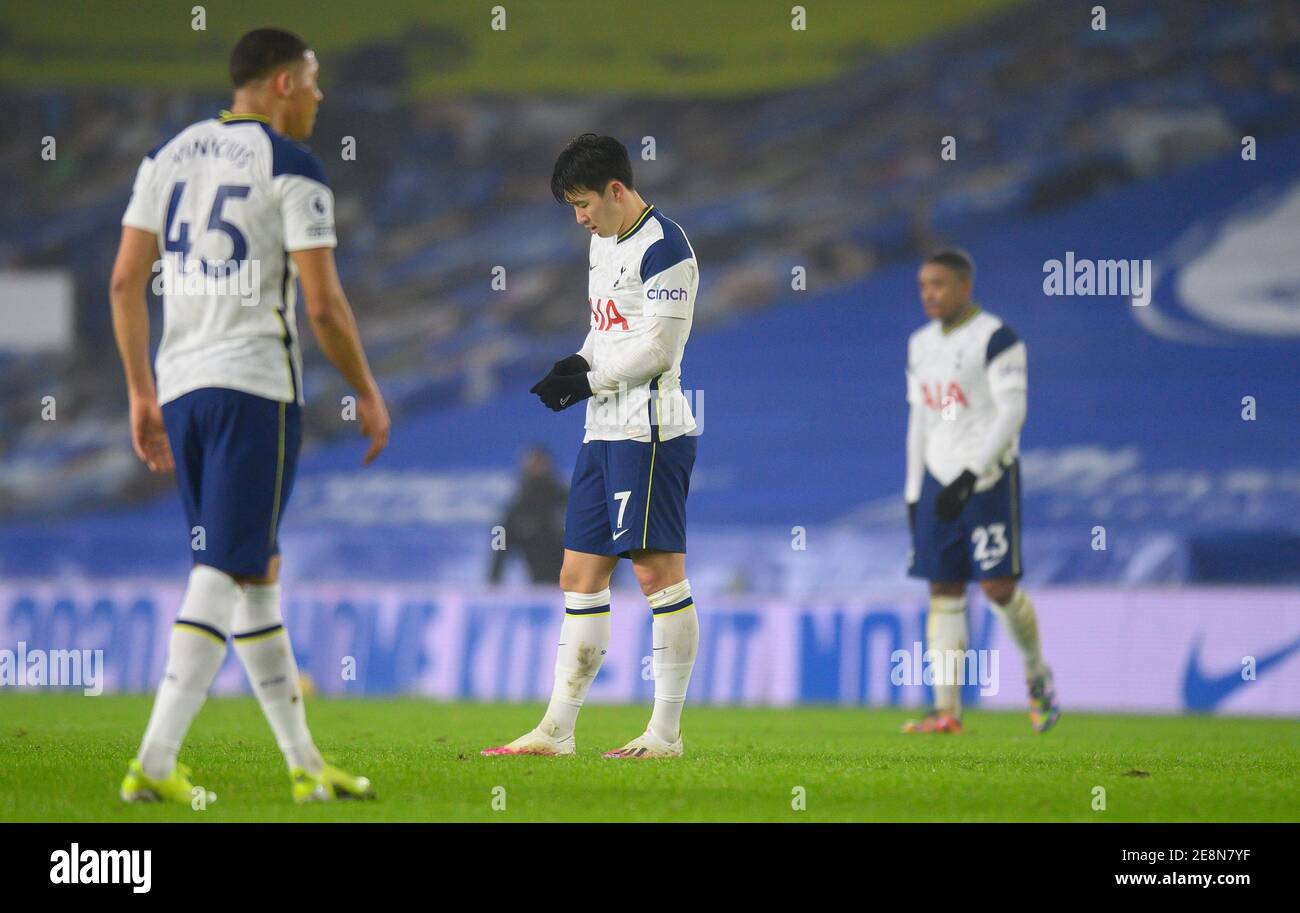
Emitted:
pixel 572 581
pixel 582 579
pixel 652 581
pixel 947 587
pixel 657 571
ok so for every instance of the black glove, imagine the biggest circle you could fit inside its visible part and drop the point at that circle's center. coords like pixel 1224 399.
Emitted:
pixel 911 518
pixel 559 391
pixel 574 364
pixel 955 495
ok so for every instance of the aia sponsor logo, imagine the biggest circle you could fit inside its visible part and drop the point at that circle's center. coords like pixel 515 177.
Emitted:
pixel 938 398
pixel 605 315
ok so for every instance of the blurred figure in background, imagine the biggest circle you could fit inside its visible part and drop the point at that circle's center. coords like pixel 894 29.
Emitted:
pixel 967 386
pixel 534 520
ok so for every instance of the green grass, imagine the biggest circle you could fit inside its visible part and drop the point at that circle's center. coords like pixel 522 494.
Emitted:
pixel 62 757
pixel 667 47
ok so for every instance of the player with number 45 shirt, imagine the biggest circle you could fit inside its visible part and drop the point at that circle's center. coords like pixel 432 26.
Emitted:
pixel 967 386
pixel 628 495
pixel 226 217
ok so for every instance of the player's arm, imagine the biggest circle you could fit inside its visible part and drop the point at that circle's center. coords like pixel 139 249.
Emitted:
pixel 668 304
pixel 1007 373
pixel 915 449
pixel 335 329
pixel 915 436
pixel 1006 369
pixel 668 301
pixel 136 253
pixel 307 208
pixel 650 355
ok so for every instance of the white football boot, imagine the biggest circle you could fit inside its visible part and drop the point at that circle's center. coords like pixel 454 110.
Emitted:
pixel 535 743
pixel 648 745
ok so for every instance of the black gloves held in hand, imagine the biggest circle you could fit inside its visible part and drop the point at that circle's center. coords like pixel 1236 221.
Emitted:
pixel 574 364
pixel 955 495
pixel 565 385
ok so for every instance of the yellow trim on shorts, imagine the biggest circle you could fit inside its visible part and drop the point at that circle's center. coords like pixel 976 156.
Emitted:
pixel 279 481
pixel 645 527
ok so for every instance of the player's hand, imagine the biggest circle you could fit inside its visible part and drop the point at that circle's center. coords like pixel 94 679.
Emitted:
pixel 149 435
pixel 375 423
pixel 574 364
pixel 560 391
pixel 955 495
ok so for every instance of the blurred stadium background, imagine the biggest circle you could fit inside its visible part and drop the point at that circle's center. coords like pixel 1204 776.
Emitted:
pixel 776 150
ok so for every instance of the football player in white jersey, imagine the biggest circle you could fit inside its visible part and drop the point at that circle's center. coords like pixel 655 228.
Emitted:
pixel 229 213
pixel 628 495
pixel 967 384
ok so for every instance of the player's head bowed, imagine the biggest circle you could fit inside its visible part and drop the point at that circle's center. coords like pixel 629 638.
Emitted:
pixel 593 174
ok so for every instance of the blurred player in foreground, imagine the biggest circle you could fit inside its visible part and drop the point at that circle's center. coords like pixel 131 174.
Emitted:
pixel 628 494
pixel 235 209
pixel 967 385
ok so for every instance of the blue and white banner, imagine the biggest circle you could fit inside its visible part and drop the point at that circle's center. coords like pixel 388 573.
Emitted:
pixel 1227 650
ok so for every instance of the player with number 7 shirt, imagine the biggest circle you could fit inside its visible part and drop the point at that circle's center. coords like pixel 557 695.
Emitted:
pixel 628 494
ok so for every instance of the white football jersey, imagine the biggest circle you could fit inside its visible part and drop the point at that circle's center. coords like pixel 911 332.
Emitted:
pixel 229 199
pixel 955 374
pixel 648 271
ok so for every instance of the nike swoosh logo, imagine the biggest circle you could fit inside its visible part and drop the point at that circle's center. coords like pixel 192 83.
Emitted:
pixel 590 268
pixel 616 535
pixel 564 400
pixel 1202 693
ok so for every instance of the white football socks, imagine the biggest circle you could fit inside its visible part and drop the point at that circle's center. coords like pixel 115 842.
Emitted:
pixel 945 630
pixel 1021 620
pixel 676 640
pixel 584 639
pixel 263 646
pixel 195 655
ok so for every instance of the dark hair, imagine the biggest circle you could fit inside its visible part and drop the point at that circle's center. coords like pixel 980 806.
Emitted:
pixel 956 260
pixel 590 162
pixel 261 51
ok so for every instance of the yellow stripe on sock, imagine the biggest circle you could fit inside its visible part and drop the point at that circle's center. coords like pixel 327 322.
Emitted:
pixel 674 611
pixel 257 638
pixel 193 630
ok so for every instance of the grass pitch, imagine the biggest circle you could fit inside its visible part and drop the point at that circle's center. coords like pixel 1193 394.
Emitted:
pixel 62 757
